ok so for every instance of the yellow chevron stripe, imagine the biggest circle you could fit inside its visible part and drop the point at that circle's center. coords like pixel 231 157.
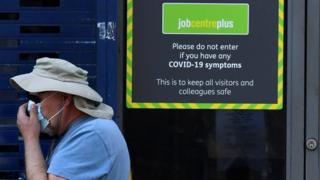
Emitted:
pixel 259 106
pixel 129 84
pixel 245 106
pixel 280 56
pixel 178 105
pixel 281 30
pixel 280 44
pixel 214 106
pixel 163 105
pixel 130 177
pixel 280 100
pixel 149 105
pixel 129 42
pixel 274 106
pixel 129 71
pixel 129 55
pixel 281 2
pixel 130 12
pixel 229 106
pixel 129 99
pixel 135 105
pixel 193 105
pixel 129 27
pixel 196 106
pixel 280 72
pixel 281 14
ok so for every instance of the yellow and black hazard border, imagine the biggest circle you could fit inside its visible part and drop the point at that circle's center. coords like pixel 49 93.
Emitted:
pixel 131 104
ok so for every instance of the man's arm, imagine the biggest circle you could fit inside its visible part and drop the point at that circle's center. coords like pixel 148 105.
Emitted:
pixel 36 168
pixel 35 164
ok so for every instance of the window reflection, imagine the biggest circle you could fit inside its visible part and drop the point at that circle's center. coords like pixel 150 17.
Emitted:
pixel 240 138
pixel 206 144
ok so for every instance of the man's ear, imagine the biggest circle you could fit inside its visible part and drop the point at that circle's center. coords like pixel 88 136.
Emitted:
pixel 68 99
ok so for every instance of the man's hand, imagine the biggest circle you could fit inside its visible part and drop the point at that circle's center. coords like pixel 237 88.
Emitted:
pixel 28 126
pixel 30 129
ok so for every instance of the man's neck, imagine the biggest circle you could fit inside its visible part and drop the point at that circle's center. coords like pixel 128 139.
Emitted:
pixel 72 116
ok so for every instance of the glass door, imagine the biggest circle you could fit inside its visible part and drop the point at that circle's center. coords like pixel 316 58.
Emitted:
pixel 225 144
pixel 206 144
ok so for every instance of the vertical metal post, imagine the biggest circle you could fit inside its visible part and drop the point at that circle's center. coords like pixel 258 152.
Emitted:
pixel 312 87
pixel 107 52
pixel 295 89
pixel 121 37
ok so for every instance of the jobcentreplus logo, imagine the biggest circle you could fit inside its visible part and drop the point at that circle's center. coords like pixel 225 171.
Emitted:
pixel 205 24
pixel 205 18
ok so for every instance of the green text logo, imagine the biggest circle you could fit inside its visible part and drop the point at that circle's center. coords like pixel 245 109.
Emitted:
pixel 205 18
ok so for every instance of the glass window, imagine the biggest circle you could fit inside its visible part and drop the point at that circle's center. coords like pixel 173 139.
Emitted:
pixel 206 144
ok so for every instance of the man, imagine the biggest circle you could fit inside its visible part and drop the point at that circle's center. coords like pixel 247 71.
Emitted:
pixel 90 145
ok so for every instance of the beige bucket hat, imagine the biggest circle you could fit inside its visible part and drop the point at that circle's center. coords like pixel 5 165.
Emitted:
pixel 50 74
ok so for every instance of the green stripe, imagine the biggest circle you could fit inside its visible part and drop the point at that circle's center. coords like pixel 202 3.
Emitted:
pixel 281 21
pixel 202 106
pixel 184 105
pixel 129 105
pixel 129 4
pixel 267 106
pixel 281 6
pixel 129 50
pixel 237 106
pixel 129 64
pixel 171 105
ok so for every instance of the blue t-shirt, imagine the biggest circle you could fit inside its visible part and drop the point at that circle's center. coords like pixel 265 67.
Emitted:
pixel 91 149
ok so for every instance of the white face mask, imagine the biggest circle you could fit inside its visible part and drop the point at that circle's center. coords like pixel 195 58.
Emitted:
pixel 44 122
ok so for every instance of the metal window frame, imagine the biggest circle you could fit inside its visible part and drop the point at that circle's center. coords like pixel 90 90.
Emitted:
pixel 295 89
pixel 312 87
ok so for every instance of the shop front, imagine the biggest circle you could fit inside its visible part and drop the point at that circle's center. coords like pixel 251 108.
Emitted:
pixel 216 90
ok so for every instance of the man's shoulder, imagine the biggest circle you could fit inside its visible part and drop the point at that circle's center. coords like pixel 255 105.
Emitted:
pixel 109 133
pixel 95 130
pixel 92 124
pixel 105 129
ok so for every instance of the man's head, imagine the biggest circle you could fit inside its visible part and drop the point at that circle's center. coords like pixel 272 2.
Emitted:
pixel 62 91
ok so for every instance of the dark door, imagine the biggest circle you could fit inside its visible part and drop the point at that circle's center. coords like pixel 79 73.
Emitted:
pixel 228 144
